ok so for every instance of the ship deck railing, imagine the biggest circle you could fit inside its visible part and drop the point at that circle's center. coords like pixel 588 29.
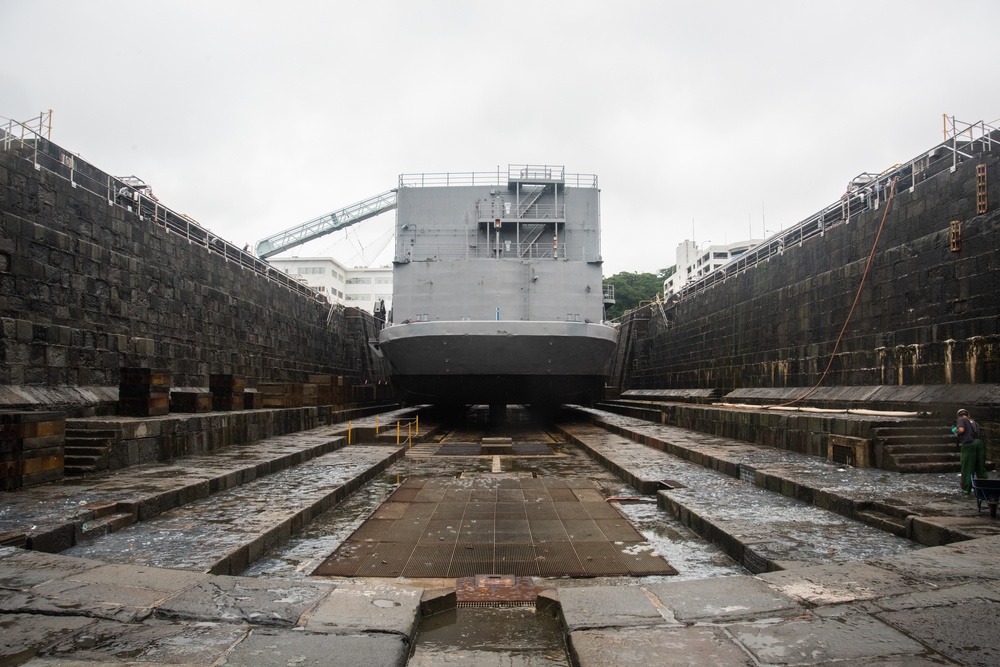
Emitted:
pixel 28 141
pixel 540 250
pixel 494 178
pixel 864 192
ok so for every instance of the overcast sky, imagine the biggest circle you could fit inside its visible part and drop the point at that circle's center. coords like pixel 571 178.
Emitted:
pixel 712 120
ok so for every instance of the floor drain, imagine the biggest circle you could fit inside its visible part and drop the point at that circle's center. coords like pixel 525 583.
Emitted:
pixel 496 590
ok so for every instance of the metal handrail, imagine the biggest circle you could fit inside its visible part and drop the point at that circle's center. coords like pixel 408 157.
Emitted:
pixel 462 251
pixel 132 195
pixel 862 194
pixel 483 178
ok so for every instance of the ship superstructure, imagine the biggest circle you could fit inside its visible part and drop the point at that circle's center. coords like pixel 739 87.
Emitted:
pixel 497 288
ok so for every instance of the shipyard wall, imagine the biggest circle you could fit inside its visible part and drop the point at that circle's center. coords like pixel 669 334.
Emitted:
pixel 87 288
pixel 927 314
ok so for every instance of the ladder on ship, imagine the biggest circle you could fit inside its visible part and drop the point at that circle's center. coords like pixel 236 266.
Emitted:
pixel 528 201
pixel 534 232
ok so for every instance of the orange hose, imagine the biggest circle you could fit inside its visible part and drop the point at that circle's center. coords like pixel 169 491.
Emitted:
pixel 864 277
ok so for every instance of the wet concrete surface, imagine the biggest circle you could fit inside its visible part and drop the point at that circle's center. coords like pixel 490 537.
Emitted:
pixel 261 513
pixel 900 606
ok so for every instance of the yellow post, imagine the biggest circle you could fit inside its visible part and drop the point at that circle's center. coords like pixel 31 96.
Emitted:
pixel 376 424
pixel 397 432
pixel 418 425
pixel 348 432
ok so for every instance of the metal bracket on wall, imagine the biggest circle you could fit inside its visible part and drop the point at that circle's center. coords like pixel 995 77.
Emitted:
pixel 956 235
pixel 980 189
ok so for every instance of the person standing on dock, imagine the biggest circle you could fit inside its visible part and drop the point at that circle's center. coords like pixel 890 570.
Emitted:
pixel 972 449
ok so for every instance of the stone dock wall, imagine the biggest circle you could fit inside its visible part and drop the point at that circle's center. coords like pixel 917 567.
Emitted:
pixel 87 287
pixel 928 314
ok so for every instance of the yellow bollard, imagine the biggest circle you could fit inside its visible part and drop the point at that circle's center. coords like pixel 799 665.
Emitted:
pixel 397 433
pixel 376 424
pixel 348 432
pixel 418 424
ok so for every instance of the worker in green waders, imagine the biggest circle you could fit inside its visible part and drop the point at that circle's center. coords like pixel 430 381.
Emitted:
pixel 971 448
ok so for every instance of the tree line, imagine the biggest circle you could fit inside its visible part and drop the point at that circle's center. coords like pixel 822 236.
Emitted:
pixel 631 288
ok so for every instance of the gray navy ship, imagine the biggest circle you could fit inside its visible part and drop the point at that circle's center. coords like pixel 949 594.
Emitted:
pixel 497 289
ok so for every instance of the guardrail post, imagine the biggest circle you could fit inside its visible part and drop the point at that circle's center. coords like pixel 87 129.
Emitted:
pixel 348 432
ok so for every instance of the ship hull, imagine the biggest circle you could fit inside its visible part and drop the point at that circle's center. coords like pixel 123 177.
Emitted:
pixel 468 362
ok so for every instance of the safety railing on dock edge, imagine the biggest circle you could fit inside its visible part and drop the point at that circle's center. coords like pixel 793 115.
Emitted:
pixel 412 431
pixel 130 193
pixel 864 192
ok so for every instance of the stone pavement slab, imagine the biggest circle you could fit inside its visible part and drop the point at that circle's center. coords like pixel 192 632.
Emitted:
pixel 966 631
pixel 245 600
pixel 817 641
pixel 695 646
pixel 837 584
pixel 20 570
pixel 367 608
pixel 25 635
pixel 274 647
pixel 608 606
pixel 723 599
pixel 152 642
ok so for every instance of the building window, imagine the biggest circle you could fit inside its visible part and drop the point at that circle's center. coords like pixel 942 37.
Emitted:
pixel 359 281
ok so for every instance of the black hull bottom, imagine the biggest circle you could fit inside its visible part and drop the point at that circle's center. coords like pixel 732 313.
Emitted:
pixel 499 389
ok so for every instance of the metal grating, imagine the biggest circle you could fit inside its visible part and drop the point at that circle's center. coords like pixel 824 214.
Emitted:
pixel 519 527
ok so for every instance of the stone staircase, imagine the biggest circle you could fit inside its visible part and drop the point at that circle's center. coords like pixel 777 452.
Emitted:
pixel 916 447
pixel 88 450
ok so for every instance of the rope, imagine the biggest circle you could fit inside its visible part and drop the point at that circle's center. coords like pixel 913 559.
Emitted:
pixel 857 295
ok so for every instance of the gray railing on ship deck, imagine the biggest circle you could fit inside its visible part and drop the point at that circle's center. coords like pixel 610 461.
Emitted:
pixel 131 194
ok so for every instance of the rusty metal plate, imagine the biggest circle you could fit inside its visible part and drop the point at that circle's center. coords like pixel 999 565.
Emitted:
pixel 438 531
pixel 449 510
pixel 391 510
pixel 387 560
pixel 431 495
pixel 458 495
pixel 601 510
pixel 510 495
pixel 546 510
pixel 571 510
pixel 373 530
pixel 599 559
pixel 496 590
pixel 641 560
pixel 618 530
pixel 563 495
pixel 482 529
pixel 547 530
pixel 558 558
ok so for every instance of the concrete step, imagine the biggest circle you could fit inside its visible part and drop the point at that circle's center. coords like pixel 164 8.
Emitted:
pixel 937 468
pixel 937 439
pixel 883 521
pixel 85 459
pixel 88 450
pixel 104 525
pixel 927 457
pixel 896 450
pixel 911 429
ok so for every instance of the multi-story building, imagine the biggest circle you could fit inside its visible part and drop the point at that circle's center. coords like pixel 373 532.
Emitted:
pixel 694 262
pixel 360 287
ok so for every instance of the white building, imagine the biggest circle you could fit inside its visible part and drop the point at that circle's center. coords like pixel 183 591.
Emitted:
pixel 360 287
pixel 694 263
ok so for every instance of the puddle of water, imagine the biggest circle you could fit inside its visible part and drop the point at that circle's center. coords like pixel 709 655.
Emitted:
pixel 511 632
